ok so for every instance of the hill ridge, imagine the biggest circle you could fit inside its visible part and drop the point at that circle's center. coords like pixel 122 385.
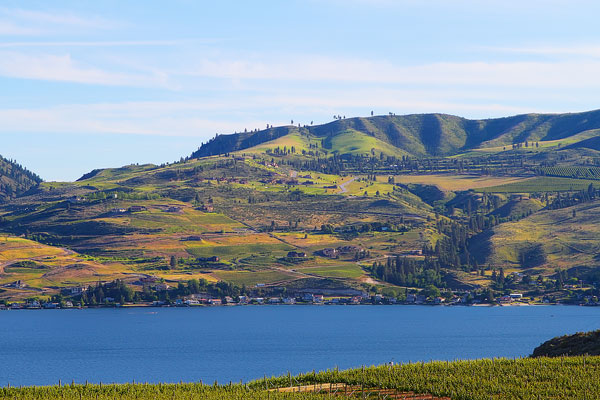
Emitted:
pixel 429 134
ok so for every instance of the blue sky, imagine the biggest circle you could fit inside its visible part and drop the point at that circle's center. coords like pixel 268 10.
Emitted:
pixel 90 84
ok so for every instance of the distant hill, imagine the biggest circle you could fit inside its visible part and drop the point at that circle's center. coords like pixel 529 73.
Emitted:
pixel 15 179
pixel 424 134
pixel 571 345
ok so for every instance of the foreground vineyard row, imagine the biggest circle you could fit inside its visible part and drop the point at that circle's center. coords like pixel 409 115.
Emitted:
pixel 539 378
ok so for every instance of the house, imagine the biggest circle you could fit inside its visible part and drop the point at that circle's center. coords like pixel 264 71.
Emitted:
pixel 244 300
pixel 505 300
pixel 258 300
pixel 33 304
pixel 215 302
pixel 348 249
pixel 274 300
pixel 516 296
pixel 68 304
pixel 207 208
pixel 439 300
pixel 411 298
pixel 329 252
pixel 355 300
pixel 133 209
pixel 229 300
pixel 50 305
pixel 289 300
pixel 161 287
pixel 78 290
pixel 192 302
pixel 308 297
pixel 260 285
pixel 118 210
pixel 318 298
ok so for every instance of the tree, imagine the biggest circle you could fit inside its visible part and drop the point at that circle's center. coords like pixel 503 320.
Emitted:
pixel 430 291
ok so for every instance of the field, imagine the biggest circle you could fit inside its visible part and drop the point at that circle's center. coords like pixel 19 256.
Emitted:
pixel 449 182
pixel 542 184
pixel 44 268
pixel 567 378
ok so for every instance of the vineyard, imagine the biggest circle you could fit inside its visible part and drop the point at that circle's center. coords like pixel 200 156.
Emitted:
pixel 571 172
pixel 487 379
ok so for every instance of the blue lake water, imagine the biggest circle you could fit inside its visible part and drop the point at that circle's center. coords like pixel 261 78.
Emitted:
pixel 232 343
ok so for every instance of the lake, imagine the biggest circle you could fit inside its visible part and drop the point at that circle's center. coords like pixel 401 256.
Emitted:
pixel 39 347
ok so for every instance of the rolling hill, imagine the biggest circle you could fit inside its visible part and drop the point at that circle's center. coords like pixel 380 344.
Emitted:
pixel 420 134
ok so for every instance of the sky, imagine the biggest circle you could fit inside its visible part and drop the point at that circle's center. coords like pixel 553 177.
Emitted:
pixel 96 84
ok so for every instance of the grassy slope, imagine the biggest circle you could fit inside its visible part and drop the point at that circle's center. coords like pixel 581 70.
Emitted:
pixel 433 134
pixel 567 241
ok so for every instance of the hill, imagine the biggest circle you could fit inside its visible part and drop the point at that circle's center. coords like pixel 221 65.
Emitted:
pixel 421 134
pixel 15 179
pixel 579 344
pixel 360 205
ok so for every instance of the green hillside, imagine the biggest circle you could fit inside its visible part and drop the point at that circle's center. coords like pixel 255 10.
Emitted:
pixel 428 134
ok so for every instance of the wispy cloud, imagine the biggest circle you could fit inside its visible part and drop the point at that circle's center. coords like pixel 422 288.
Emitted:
pixel 58 18
pixel 9 28
pixel 319 68
pixel 591 51
pixel 122 43
pixel 63 68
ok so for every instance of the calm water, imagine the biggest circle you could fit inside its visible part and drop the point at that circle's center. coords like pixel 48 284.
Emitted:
pixel 233 343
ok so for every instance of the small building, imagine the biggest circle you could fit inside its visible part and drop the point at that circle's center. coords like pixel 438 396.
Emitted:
pixel 308 297
pixel 229 300
pixel 207 208
pixel 78 290
pixel 318 298
pixel 215 302
pixel 516 296
pixel 68 304
pixel 330 252
pixel 133 209
pixel 289 300
pixel 505 300
pixel 274 300
pixel 244 300
pixel 355 300
pixel 161 287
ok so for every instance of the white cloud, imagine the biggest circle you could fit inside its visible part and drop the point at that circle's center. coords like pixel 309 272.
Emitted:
pixel 469 74
pixel 63 68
